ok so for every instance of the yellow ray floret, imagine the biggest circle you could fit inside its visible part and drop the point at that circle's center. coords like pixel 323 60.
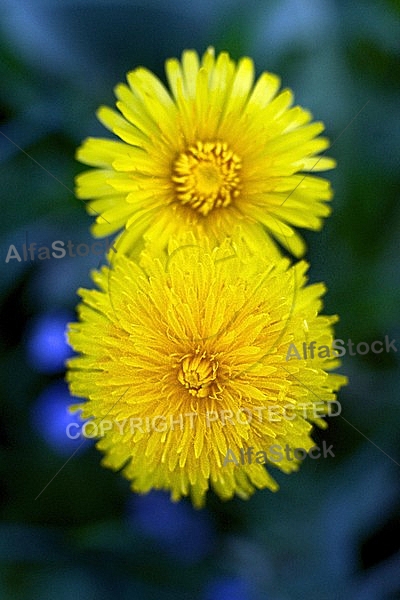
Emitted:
pixel 215 149
pixel 184 354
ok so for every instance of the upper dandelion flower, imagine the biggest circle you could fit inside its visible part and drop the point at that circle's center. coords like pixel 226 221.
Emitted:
pixel 173 348
pixel 214 150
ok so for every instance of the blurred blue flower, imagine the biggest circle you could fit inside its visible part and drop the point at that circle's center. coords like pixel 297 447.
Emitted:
pixel 46 344
pixel 228 588
pixel 181 531
pixel 53 421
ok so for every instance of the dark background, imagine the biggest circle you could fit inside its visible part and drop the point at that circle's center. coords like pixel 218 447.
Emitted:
pixel 333 530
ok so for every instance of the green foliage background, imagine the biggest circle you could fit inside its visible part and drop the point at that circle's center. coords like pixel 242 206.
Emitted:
pixel 333 530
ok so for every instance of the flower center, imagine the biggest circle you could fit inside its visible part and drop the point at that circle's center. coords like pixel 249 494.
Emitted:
pixel 197 374
pixel 206 176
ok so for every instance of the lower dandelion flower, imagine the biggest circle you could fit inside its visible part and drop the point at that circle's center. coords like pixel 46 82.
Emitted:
pixel 183 355
pixel 214 149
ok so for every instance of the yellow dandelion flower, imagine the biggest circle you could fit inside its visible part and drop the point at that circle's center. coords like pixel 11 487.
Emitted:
pixel 213 150
pixel 182 357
